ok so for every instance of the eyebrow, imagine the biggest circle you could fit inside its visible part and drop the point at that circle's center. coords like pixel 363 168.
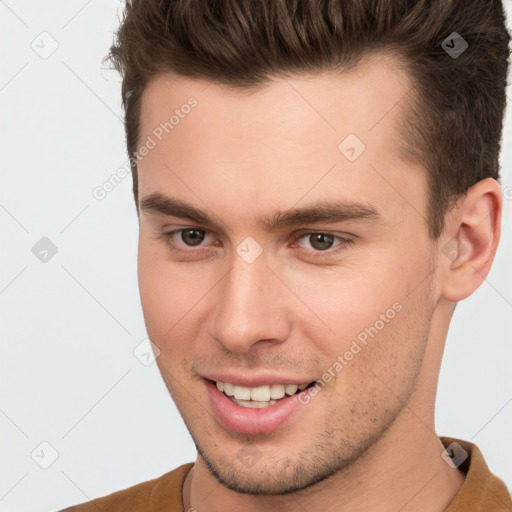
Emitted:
pixel 319 212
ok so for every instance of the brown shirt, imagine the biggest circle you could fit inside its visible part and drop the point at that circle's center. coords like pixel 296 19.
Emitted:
pixel 481 491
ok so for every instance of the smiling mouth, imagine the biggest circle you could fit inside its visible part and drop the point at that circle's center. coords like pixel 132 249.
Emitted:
pixel 260 396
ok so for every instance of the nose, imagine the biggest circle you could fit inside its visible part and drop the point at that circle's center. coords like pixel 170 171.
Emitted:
pixel 250 306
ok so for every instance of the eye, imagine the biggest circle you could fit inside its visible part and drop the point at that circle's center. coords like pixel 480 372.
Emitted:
pixel 321 244
pixel 189 241
pixel 319 241
pixel 180 240
pixel 191 237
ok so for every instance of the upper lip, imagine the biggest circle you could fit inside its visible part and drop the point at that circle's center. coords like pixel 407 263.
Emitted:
pixel 253 381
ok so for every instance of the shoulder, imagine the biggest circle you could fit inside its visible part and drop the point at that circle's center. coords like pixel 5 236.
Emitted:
pixel 482 491
pixel 164 491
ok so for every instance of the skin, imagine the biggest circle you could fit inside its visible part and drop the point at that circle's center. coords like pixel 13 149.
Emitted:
pixel 240 156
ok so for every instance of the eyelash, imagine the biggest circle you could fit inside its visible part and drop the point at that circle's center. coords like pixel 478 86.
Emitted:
pixel 344 243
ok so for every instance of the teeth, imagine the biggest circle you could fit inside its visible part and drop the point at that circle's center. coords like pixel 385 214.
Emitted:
pixel 291 389
pixel 242 393
pixel 252 404
pixel 229 389
pixel 277 391
pixel 260 393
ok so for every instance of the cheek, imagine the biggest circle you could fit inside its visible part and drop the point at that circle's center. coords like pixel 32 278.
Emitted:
pixel 390 342
pixel 158 283
pixel 171 295
pixel 348 299
pixel 372 310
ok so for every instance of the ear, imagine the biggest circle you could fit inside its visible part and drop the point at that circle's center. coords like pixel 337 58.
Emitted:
pixel 470 239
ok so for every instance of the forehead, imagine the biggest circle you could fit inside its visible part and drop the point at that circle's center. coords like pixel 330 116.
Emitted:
pixel 357 99
pixel 329 134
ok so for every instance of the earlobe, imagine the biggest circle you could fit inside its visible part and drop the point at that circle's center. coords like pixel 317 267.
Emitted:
pixel 470 240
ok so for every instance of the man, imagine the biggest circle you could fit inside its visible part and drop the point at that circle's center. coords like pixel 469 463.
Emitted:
pixel 317 187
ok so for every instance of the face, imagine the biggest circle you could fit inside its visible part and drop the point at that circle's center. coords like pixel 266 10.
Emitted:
pixel 274 250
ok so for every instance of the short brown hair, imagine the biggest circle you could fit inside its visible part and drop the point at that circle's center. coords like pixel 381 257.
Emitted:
pixel 454 120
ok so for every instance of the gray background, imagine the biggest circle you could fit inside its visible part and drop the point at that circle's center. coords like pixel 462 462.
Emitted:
pixel 70 325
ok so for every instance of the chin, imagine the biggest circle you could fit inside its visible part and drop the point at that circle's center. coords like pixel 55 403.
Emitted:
pixel 271 476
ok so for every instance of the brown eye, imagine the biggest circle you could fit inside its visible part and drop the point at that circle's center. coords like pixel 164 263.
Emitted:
pixel 321 241
pixel 192 237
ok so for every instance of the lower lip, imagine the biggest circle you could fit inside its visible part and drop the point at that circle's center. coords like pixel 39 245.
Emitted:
pixel 252 421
